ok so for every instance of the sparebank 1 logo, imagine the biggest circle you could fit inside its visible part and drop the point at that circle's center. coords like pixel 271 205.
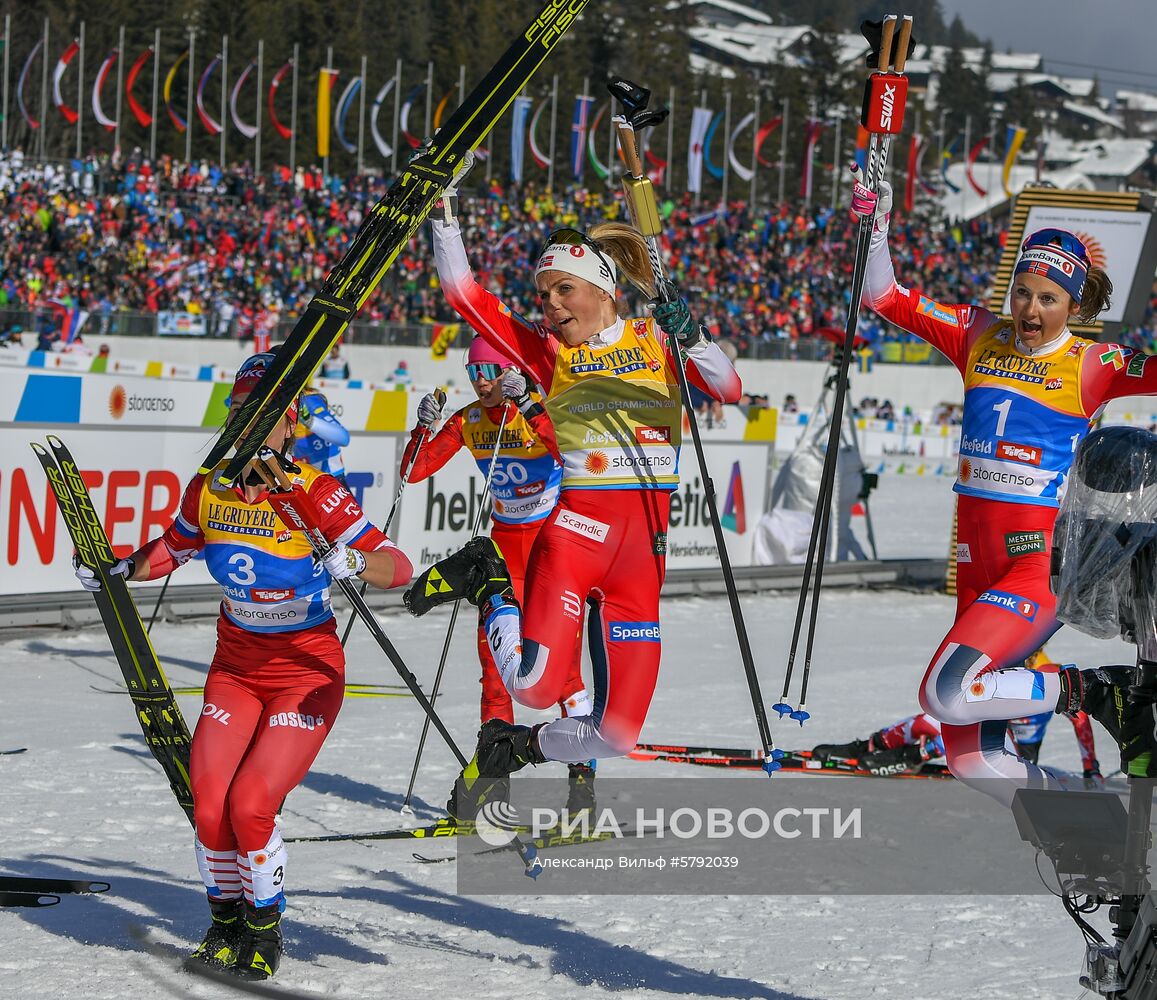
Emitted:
pixel 734 516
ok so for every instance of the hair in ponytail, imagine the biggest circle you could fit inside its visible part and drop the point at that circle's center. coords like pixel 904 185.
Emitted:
pixel 627 248
pixel 1095 296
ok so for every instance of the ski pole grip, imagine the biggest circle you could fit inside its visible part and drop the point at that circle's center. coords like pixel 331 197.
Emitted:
pixel 902 43
pixel 628 146
pixel 887 32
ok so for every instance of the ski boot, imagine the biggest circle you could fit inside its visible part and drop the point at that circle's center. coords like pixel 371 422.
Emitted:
pixel 218 948
pixel 474 573
pixel 840 751
pixel 463 805
pixel 259 952
pixel 899 760
pixel 580 788
pixel 1106 694
pixel 503 748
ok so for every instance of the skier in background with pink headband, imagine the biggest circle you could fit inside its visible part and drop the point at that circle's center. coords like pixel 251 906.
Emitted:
pixel 1031 389
pixel 524 488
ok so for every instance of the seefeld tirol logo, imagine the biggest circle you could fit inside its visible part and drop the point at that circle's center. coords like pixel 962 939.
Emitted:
pixel 496 823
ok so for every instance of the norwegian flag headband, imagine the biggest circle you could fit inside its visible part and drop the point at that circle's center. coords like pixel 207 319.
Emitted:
pixel 1058 256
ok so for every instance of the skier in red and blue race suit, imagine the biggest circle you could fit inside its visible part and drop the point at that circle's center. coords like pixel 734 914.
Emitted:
pixel 320 436
pixel 275 684
pixel 1031 389
pixel 524 487
pixel 911 742
pixel 612 393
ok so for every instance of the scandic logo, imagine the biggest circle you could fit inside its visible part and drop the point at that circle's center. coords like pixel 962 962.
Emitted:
pixel 586 526
pixel 633 632
pixel 653 435
pixel 1013 452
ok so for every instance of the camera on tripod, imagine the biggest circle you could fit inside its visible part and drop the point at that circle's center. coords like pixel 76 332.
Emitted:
pixel 1104 573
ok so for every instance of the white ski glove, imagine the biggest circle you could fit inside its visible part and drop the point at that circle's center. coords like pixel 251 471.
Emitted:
pixel 867 202
pixel 342 562
pixel 429 410
pixel 88 578
pixel 515 385
pixel 449 199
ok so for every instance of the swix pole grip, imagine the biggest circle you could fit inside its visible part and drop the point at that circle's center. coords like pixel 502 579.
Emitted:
pixel 884 98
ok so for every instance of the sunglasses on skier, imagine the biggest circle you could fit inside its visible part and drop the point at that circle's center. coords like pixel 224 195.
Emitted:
pixel 571 237
pixel 487 370
pixel 1058 237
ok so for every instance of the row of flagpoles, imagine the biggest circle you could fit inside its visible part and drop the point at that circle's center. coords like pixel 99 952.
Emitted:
pixel 216 100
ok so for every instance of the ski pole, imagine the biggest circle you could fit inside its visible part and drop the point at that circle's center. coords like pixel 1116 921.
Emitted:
pixel 883 114
pixel 405 478
pixel 157 606
pixel 405 807
pixel 294 507
pixel 640 197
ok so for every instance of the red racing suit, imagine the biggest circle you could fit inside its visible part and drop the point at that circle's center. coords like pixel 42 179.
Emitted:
pixel 1025 413
pixel 614 403
pixel 524 488
pixel 277 678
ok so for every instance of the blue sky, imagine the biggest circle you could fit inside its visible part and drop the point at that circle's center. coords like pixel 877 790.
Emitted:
pixel 1118 37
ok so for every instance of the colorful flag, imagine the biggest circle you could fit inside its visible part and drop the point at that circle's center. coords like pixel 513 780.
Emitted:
pixel 22 81
pixel 66 57
pixel 242 126
pixel 144 119
pixel 179 123
pixel 98 86
pixel 326 78
pixel 519 117
pixel 700 120
pixel 442 336
pixel 910 180
pixel 540 158
pixel 211 126
pixel 761 136
pixel 597 165
pixel 282 130
pixel 1013 140
pixel 383 147
pixel 712 169
pixel 861 150
pixel 345 102
pixel 945 159
pixel 578 134
pixel 745 173
pixel 69 317
pixel 407 104
pixel 972 155
pixel 811 138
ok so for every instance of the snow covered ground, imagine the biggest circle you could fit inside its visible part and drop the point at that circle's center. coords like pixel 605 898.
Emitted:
pixel 366 920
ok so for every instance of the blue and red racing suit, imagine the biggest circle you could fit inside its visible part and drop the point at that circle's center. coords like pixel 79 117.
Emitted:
pixel 1025 413
pixel 614 403
pixel 277 678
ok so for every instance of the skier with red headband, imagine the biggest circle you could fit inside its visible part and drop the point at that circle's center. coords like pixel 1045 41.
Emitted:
pixel 277 678
pixel 1031 389
pixel 612 393
pixel 524 487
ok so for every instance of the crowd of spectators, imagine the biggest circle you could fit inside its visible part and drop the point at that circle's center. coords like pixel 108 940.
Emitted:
pixel 248 251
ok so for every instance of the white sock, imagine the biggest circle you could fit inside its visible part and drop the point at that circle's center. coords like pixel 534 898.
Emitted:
pixel 263 873
pixel 218 871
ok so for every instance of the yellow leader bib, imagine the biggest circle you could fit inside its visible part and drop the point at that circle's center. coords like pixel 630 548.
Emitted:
pixel 616 412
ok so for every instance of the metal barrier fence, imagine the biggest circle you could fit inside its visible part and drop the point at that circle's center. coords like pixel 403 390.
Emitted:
pixel 140 324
